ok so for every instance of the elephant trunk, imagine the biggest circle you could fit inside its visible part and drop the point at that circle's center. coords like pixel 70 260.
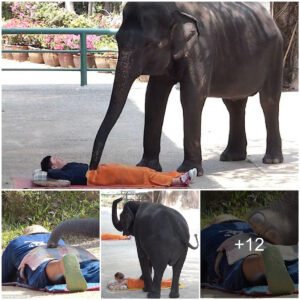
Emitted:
pixel 87 227
pixel 115 219
pixel 126 73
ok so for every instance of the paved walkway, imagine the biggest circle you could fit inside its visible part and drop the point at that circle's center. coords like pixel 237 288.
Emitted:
pixel 49 113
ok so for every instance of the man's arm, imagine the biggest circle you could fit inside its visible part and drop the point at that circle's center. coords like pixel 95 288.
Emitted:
pixel 9 271
pixel 59 174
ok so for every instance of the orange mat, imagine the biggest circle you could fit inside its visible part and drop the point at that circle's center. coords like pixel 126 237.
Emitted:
pixel 112 236
pixel 138 284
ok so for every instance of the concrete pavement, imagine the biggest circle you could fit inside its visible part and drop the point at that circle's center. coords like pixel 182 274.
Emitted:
pixel 49 113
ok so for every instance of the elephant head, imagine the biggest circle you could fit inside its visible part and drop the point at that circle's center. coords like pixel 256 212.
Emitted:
pixel 151 37
pixel 127 216
pixel 87 227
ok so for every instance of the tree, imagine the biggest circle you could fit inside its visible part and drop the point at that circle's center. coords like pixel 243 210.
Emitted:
pixel 285 15
pixel 69 6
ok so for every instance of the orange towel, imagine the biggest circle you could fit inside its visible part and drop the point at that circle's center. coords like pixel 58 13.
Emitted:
pixel 136 284
pixel 112 236
pixel 115 174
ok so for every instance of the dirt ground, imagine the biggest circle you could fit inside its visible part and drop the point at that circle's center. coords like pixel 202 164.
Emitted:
pixel 12 292
pixel 121 256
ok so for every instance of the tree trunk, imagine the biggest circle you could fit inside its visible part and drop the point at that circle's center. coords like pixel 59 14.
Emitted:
pixel 69 6
pixel 285 15
pixel 91 8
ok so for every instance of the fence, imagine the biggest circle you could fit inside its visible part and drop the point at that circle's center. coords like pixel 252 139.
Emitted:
pixel 82 32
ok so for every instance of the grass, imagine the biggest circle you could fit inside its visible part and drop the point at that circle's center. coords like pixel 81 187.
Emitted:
pixel 21 209
pixel 237 203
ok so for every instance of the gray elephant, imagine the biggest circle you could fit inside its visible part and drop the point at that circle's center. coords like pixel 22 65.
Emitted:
pixel 87 226
pixel 225 50
pixel 162 238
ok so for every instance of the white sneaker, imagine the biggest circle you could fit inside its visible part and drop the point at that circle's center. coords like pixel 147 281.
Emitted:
pixel 188 177
pixel 192 174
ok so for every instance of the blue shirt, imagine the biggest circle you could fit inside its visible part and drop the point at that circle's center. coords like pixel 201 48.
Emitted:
pixel 74 172
pixel 17 249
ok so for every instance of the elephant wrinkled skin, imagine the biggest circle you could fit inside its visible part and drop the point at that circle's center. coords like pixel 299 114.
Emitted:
pixel 87 226
pixel 226 50
pixel 162 238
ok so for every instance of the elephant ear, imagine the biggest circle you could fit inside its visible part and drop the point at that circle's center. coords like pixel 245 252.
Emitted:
pixel 184 35
pixel 128 219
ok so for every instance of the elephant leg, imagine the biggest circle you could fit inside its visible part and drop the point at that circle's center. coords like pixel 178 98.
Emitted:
pixel 176 274
pixel 270 106
pixel 158 275
pixel 158 90
pixel 269 99
pixel 192 102
pixel 237 141
pixel 146 268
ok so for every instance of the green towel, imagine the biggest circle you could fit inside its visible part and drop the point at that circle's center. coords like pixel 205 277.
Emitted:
pixel 278 278
pixel 74 279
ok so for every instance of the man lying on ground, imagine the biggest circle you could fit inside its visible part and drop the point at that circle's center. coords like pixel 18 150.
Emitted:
pixel 27 260
pixel 113 174
pixel 227 265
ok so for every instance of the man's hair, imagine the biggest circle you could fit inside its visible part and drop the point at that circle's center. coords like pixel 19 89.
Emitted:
pixel 119 275
pixel 46 163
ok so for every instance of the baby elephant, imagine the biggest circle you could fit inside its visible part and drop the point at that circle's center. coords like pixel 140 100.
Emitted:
pixel 162 238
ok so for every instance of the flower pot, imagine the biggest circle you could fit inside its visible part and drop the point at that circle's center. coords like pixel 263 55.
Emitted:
pixel 66 60
pixel 51 59
pixel 90 60
pixel 101 62
pixel 36 58
pixel 7 55
pixel 20 56
pixel 113 63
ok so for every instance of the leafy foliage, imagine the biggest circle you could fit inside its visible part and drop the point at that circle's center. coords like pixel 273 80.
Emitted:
pixel 21 209
pixel 237 203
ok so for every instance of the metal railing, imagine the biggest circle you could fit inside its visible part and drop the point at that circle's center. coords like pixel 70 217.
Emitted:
pixel 83 51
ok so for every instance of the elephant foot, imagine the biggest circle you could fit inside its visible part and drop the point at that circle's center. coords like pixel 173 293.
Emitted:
pixel 273 158
pixel 230 155
pixel 150 163
pixel 153 295
pixel 173 294
pixel 188 165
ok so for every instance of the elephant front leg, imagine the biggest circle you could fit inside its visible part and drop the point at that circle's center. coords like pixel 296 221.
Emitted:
pixel 192 100
pixel 158 90
pixel 146 268
pixel 237 141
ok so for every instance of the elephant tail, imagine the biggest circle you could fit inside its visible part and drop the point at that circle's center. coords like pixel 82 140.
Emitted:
pixel 194 247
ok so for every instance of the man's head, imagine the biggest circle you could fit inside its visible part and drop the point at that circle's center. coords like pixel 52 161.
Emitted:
pixel 119 276
pixel 52 162
pixel 34 229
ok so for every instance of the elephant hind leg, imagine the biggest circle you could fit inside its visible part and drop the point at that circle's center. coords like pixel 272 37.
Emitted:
pixel 269 100
pixel 176 274
pixel 237 141
pixel 159 269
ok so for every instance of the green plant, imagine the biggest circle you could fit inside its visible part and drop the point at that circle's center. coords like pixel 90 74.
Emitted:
pixel 107 43
pixel 237 203
pixel 21 209
pixel 82 21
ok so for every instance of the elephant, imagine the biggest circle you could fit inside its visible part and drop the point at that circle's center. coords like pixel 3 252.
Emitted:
pixel 86 226
pixel 278 223
pixel 213 49
pixel 162 238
